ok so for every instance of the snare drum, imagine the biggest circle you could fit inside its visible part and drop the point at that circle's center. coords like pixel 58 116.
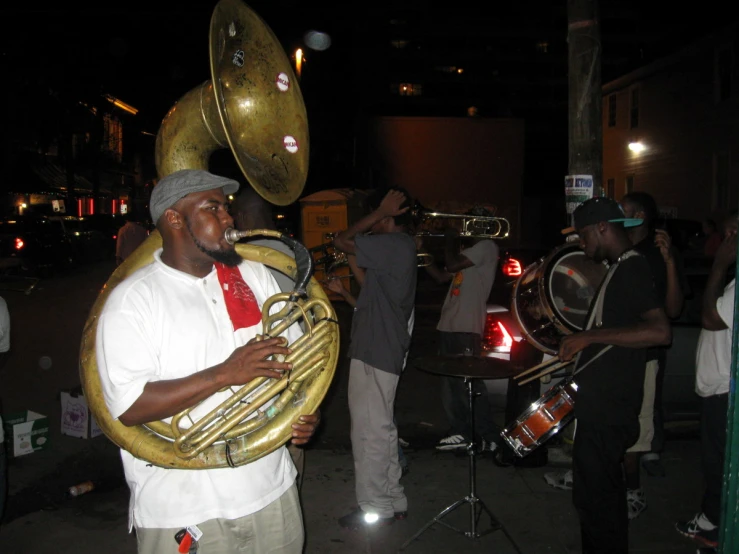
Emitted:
pixel 543 419
pixel 552 297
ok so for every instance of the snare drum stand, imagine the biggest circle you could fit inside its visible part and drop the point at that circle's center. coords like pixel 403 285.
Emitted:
pixel 477 506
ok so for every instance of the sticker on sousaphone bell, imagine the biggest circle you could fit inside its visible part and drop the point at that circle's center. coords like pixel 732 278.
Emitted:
pixel 291 144
pixel 283 82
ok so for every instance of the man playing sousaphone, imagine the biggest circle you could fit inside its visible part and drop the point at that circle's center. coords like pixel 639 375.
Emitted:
pixel 175 333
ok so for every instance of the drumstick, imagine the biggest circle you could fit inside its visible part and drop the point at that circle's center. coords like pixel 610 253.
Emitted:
pixel 546 371
pixel 549 362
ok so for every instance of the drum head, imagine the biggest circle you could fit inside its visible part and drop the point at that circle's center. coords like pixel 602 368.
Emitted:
pixel 572 281
pixel 552 297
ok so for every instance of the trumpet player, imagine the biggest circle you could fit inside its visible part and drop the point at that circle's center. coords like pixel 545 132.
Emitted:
pixel 174 334
pixel 379 343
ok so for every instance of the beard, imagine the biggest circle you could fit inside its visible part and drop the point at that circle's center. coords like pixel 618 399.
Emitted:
pixel 229 258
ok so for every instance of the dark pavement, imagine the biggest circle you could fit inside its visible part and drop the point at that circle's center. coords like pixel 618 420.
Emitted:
pixel 42 518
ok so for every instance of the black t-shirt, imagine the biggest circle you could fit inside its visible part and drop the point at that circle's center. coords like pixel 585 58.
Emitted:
pixel 651 253
pixel 610 390
pixel 380 334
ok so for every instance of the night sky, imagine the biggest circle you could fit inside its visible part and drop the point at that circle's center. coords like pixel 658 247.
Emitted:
pixel 149 54
pixel 146 54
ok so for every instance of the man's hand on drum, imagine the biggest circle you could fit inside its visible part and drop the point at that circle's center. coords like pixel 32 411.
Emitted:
pixel 572 344
pixel 305 427
pixel 250 361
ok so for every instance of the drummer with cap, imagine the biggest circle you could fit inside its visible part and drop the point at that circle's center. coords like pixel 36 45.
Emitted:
pixel 626 318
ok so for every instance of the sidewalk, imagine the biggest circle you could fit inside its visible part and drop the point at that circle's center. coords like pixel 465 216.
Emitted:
pixel 538 518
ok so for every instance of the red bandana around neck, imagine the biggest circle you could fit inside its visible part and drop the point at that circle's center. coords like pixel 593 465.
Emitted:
pixel 240 301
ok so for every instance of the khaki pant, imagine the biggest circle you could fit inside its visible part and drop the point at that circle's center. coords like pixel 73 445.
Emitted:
pixel 276 528
pixel 646 416
pixel 375 440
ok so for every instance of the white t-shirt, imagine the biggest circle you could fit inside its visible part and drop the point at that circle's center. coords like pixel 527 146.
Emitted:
pixel 160 324
pixel 713 358
pixel 465 307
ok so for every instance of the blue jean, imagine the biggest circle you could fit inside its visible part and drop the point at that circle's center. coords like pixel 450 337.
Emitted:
pixel 402 460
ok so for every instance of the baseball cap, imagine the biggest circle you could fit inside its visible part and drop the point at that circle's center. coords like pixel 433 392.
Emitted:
pixel 179 184
pixel 597 209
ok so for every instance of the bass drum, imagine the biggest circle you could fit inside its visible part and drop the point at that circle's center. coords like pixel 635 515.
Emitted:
pixel 552 296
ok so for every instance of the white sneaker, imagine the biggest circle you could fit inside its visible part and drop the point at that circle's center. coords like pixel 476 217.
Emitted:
pixel 636 501
pixel 559 479
pixel 452 442
pixel 488 446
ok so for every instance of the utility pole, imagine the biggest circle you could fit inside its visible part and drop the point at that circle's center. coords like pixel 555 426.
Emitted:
pixel 584 105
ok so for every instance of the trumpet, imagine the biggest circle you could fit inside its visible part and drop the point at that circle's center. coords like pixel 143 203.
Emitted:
pixel 472 226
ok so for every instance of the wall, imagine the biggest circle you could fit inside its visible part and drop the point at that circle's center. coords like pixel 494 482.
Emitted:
pixel 444 161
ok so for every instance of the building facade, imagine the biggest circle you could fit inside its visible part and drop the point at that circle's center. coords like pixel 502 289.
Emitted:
pixel 670 129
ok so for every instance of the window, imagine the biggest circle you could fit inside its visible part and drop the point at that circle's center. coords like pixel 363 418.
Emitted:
pixel 612 110
pixel 610 188
pixel 399 43
pixel 410 89
pixel 634 109
pixel 542 47
pixel 629 184
pixel 112 136
pixel 723 75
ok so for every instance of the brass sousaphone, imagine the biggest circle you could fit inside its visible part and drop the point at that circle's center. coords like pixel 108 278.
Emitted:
pixel 252 105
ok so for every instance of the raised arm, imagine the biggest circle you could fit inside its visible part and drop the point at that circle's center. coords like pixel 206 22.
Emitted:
pixel 389 207
pixel 675 295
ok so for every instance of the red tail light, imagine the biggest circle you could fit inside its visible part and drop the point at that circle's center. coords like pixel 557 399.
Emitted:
pixel 512 267
pixel 19 244
pixel 495 336
pixel 115 237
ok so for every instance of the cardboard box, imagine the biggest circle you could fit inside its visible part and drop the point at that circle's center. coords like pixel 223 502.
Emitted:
pixel 25 432
pixel 77 421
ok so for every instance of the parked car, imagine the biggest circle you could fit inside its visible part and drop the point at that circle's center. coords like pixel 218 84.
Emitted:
pixel 108 225
pixel 87 243
pixel 34 245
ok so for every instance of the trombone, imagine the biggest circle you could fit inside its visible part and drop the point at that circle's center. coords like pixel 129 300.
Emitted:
pixel 472 226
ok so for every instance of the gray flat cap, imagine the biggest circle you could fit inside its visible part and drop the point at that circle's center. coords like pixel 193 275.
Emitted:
pixel 179 184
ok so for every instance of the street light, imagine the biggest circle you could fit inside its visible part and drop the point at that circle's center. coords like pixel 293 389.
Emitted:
pixel 299 61
pixel 636 147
